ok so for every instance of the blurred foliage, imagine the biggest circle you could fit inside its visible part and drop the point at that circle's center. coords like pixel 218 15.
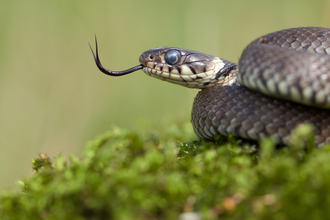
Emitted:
pixel 129 175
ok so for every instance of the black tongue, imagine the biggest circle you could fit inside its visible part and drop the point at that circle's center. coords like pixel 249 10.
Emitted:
pixel 109 72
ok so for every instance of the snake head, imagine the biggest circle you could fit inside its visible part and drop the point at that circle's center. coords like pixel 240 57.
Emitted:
pixel 184 67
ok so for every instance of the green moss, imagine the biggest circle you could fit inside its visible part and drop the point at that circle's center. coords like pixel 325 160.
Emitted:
pixel 127 175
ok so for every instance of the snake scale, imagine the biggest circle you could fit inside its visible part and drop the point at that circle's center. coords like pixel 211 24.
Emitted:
pixel 282 80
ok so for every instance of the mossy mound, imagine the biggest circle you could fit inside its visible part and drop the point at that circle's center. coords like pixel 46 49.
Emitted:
pixel 125 175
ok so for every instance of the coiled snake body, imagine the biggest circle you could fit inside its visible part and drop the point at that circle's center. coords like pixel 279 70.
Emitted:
pixel 282 80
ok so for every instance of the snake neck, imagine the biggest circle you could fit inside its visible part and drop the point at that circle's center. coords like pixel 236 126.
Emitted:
pixel 226 76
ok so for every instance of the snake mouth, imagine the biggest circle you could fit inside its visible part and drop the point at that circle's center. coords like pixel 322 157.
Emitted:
pixel 109 72
pixel 184 80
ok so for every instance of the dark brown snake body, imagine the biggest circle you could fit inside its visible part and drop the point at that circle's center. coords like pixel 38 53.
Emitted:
pixel 282 80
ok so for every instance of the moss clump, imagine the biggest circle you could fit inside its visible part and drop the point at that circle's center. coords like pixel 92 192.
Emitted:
pixel 124 175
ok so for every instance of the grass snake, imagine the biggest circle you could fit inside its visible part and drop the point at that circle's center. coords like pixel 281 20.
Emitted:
pixel 282 80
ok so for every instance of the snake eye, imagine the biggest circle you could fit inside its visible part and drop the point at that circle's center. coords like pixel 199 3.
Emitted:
pixel 172 57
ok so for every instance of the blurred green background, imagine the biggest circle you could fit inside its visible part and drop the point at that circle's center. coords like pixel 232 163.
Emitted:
pixel 53 99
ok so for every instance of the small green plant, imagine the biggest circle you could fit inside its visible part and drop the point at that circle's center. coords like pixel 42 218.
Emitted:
pixel 127 175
